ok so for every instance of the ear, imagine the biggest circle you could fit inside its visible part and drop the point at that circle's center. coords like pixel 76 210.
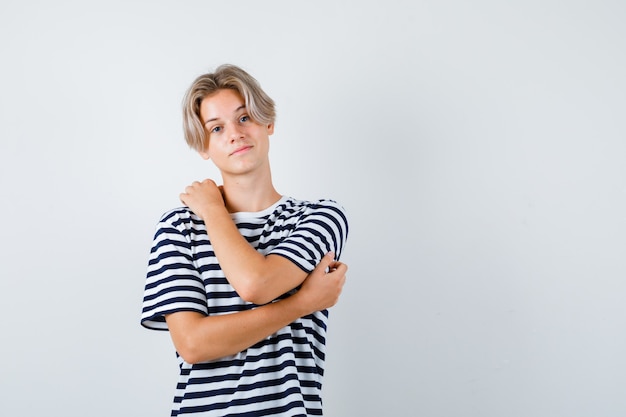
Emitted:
pixel 270 128
pixel 205 155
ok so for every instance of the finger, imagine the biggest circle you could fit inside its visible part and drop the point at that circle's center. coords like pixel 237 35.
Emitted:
pixel 326 261
pixel 343 268
pixel 336 265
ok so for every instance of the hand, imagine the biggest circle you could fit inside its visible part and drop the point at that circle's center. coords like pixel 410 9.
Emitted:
pixel 200 197
pixel 321 289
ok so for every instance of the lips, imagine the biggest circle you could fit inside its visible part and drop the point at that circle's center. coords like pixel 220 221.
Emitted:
pixel 240 150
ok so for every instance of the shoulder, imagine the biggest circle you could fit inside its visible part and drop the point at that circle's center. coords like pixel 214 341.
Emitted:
pixel 313 228
pixel 318 209
pixel 314 205
pixel 180 219
pixel 179 215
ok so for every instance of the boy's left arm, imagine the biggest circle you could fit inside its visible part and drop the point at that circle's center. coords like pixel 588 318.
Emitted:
pixel 256 278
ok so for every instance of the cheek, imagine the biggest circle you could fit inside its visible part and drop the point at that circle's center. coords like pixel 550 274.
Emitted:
pixel 212 150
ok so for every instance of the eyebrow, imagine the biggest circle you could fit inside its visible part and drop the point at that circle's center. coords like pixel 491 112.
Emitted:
pixel 243 106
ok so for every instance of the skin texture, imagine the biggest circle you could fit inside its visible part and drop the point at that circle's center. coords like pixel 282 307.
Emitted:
pixel 239 147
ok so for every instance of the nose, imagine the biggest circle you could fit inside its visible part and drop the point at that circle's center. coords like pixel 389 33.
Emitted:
pixel 235 132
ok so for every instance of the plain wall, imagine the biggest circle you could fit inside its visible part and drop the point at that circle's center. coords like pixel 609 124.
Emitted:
pixel 479 149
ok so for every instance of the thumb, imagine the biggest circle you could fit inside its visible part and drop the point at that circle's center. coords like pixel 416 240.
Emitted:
pixel 326 260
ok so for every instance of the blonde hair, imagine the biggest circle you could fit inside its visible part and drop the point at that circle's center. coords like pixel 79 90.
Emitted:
pixel 259 105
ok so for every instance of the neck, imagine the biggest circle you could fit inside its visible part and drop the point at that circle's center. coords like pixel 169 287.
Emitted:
pixel 245 193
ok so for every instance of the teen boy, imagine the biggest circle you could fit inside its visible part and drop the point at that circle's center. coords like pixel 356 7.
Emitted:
pixel 242 276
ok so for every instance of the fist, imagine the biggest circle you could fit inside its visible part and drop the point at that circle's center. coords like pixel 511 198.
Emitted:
pixel 200 197
pixel 323 286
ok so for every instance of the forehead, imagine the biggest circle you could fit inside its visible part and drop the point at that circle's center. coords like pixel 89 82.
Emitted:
pixel 221 104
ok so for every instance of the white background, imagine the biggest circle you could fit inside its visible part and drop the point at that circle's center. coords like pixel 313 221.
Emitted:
pixel 478 147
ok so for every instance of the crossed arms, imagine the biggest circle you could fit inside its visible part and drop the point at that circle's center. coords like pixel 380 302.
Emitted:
pixel 256 278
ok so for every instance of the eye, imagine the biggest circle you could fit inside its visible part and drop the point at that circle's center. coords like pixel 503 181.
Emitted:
pixel 216 129
pixel 244 118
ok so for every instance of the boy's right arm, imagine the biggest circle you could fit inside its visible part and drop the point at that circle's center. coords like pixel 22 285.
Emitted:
pixel 257 278
pixel 200 338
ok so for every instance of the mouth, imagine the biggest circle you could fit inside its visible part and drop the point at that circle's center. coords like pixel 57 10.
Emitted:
pixel 241 150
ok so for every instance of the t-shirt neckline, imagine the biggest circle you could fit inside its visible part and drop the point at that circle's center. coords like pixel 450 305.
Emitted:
pixel 256 214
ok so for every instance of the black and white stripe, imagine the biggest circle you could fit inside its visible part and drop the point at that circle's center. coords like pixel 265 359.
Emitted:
pixel 281 375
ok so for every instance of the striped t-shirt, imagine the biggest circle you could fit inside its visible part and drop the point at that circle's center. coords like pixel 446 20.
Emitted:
pixel 280 375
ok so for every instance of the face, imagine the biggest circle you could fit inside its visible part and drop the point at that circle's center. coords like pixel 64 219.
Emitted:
pixel 236 144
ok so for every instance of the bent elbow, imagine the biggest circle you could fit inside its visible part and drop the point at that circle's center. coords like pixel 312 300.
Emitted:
pixel 189 354
pixel 191 350
pixel 191 360
pixel 194 356
pixel 246 293
pixel 253 290
pixel 255 296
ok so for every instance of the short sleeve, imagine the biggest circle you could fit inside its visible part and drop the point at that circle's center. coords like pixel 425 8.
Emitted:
pixel 173 282
pixel 322 228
